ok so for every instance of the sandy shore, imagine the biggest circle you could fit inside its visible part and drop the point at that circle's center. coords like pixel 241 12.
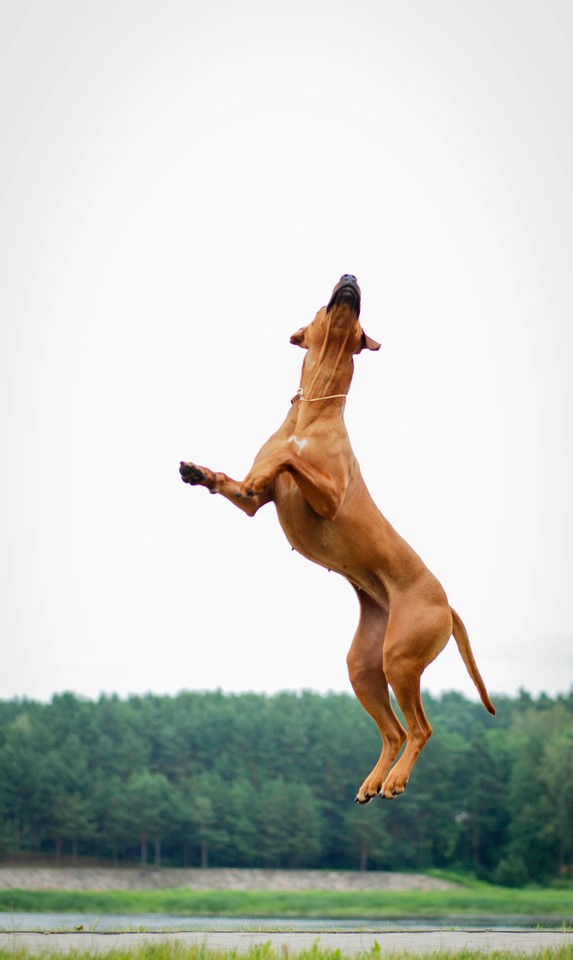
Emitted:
pixel 129 878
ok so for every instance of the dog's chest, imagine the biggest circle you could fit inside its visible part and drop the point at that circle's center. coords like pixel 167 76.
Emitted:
pixel 298 442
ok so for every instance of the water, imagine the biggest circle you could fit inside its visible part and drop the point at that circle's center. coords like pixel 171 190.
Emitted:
pixel 155 921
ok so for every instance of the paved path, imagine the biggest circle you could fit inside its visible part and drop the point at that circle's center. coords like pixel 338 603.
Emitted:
pixel 417 942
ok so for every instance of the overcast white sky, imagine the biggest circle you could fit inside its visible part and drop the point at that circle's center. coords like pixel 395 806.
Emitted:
pixel 181 185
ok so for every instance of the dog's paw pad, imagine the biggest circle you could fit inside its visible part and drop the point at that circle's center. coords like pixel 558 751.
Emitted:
pixel 190 473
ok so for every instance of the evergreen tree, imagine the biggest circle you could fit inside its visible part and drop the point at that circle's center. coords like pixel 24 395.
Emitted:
pixel 251 780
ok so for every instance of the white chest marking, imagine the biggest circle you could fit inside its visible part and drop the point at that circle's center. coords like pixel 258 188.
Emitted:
pixel 299 444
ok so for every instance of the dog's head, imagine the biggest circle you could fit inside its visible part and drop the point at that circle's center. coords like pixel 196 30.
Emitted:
pixel 339 318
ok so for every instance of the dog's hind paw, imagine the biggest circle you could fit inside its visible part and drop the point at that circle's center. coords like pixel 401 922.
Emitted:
pixel 369 790
pixel 394 784
pixel 364 797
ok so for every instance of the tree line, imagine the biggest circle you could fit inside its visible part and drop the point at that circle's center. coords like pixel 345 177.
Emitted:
pixel 210 779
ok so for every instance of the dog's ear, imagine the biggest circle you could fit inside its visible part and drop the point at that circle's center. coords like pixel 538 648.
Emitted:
pixel 367 343
pixel 298 338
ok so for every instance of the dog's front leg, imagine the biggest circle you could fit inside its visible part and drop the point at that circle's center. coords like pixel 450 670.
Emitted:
pixel 220 483
pixel 321 490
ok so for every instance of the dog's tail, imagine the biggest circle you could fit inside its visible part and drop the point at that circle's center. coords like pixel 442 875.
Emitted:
pixel 461 637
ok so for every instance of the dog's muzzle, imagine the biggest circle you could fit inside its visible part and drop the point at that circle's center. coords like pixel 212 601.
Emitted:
pixel 346 291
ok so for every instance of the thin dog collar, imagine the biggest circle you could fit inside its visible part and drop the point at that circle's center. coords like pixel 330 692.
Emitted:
pixel 299 395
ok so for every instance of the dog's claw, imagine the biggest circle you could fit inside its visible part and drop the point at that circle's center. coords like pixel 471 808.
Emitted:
pixel 250 492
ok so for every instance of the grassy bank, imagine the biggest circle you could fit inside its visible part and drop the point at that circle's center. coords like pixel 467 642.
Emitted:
pixel 479 899
pixel 166 951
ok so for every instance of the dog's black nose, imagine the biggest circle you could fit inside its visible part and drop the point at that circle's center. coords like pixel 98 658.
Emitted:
pixel 349 276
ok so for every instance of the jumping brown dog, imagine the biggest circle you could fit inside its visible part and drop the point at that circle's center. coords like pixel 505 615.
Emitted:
pixel 309 470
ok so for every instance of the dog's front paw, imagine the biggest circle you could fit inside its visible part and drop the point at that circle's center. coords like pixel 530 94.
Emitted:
pixel 191 473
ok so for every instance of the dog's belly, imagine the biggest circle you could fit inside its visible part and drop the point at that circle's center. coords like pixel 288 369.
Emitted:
pixel 326 542
pixel 359 543
pixel 307 533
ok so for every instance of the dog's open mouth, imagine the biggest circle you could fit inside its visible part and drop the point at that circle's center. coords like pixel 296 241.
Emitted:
pixel 345 291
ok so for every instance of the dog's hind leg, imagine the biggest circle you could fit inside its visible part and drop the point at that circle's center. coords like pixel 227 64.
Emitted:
pixel 371 688
pixel 415 637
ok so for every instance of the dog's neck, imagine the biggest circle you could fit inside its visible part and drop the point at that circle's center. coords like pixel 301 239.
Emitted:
pixel 326 377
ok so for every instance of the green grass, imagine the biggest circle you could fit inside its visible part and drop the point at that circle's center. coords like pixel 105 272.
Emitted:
pixel 479 899
pixel 174 951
